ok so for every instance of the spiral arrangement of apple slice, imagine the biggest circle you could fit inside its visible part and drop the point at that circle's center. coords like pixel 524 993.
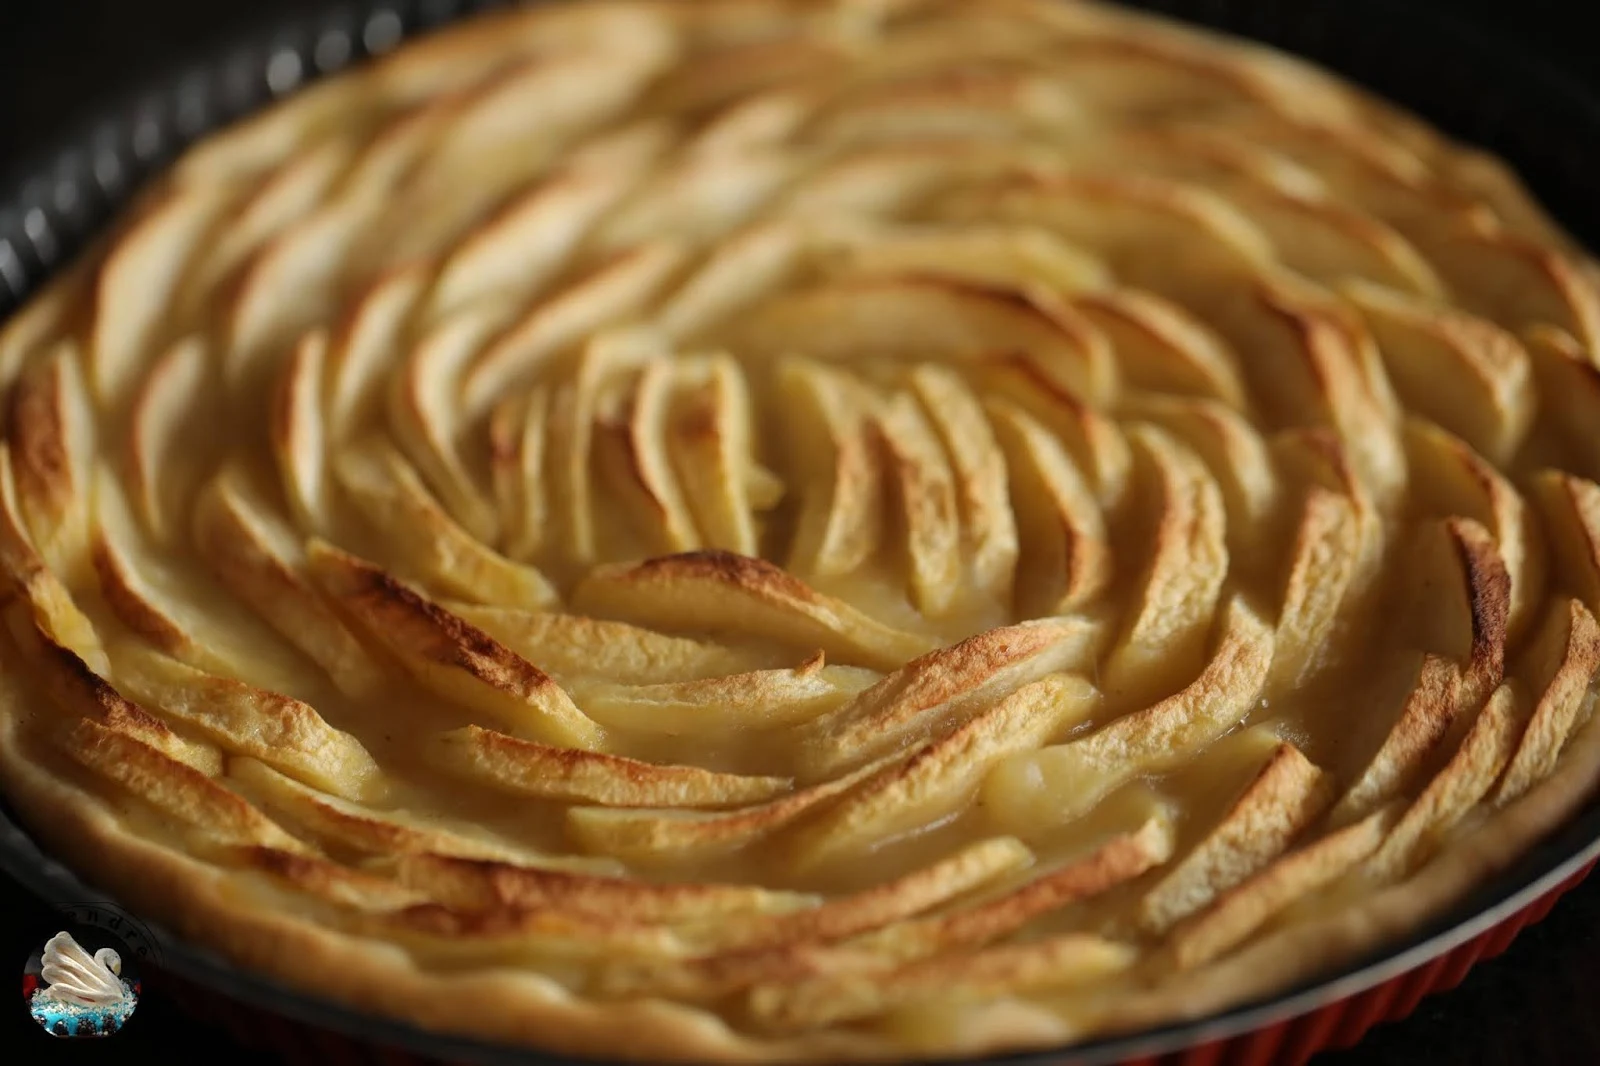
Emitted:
pixel 810 511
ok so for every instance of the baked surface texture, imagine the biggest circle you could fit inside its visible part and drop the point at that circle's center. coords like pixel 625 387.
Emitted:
pixel 806 530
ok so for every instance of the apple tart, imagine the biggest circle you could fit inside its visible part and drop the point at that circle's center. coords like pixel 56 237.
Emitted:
pixel 806 530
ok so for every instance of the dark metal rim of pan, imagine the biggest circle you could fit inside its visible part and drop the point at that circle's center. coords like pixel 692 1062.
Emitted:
pixel 1546 124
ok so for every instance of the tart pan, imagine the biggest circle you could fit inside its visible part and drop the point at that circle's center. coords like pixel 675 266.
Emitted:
pixel 1422 59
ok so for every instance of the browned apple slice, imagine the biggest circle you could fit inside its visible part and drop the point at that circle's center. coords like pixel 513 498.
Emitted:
pixel 988 526
pixel 444 936
pixel 611 293
pixel 170 415
pixel 1430 709
pixel 51 435
pixel 1457 788
pixel 277 729
pixel 1060 530
pixel 48 600
pixel 1284 798
pixel 1570 509
pixel 41 319
pixel 1163 642
pixel 340 885
pixel 838 467
pixel 941 776
pixel 529 241
pixel 721 706
pixel 1559 667
pixel 531 769
pixel 924 491
pixel 486 885
pixel 672 835
pixel 710 443
pixel 299 436
pixel 455 660
pixel 1458 562
pixel 926 319
pixel 1160 346
pixel 572 646
pixel 139 282
pixel 257 557
pixel 81 693
pixel 387 832
pixel 426 422
pixel 1036 790
pixel 946 686
pixel 630 444
pixel 1462 372
pixel 1240 912
pixel 178 791
pixel 425 540
pixel 1052 962
pixel 1449 478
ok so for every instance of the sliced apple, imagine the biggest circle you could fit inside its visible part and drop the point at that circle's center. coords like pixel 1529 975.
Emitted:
pixel 51 434
pixel 1159 346
pixel 1559 667
pixel 170 414
pixel 924 490
pixel 710 443
pixel 630 445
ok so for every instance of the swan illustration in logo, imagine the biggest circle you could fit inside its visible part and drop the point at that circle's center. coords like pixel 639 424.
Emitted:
pixel 80 994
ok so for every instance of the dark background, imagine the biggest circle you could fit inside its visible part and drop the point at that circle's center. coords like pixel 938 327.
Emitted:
pixel 63 61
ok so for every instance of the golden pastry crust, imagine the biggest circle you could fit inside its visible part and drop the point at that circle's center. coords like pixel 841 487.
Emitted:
pixel 806 530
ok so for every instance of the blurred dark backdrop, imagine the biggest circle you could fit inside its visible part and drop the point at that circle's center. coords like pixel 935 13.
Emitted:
pixel 61 61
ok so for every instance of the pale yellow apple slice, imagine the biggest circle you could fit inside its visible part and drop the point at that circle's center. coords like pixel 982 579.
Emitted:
pixel 1052 786
pixel 615 291
pixel 425 419
pixel 573 646
pixel 299 434
pixel 281 731
pixel 630 447
pixel 425 540
pixel 1000 103
pixel 451 658
pixel 946 686
pixel 1005 257
pixel 673 835
pixel 1061 532
pixel 700 198
pixel 528 768
pixel 988 525
pixel 1324 558
pixel 386 832
pixel 1161 347
pixel 50 430
pixel 924 319
pixel 1459 564
pixel 254 554
pixel 1569 393
pixel 140 281
pixel 1459 371
pixel 710 442
pixel 362 349
pixel 343 886
pixel 838 468
pixel 721 706
pixel 528 242
pixel 1570 511
pixel 1163 642
pixel 735 274
pixel 923 489
pixel 171 413
pixel 518 431
pixel 941 776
